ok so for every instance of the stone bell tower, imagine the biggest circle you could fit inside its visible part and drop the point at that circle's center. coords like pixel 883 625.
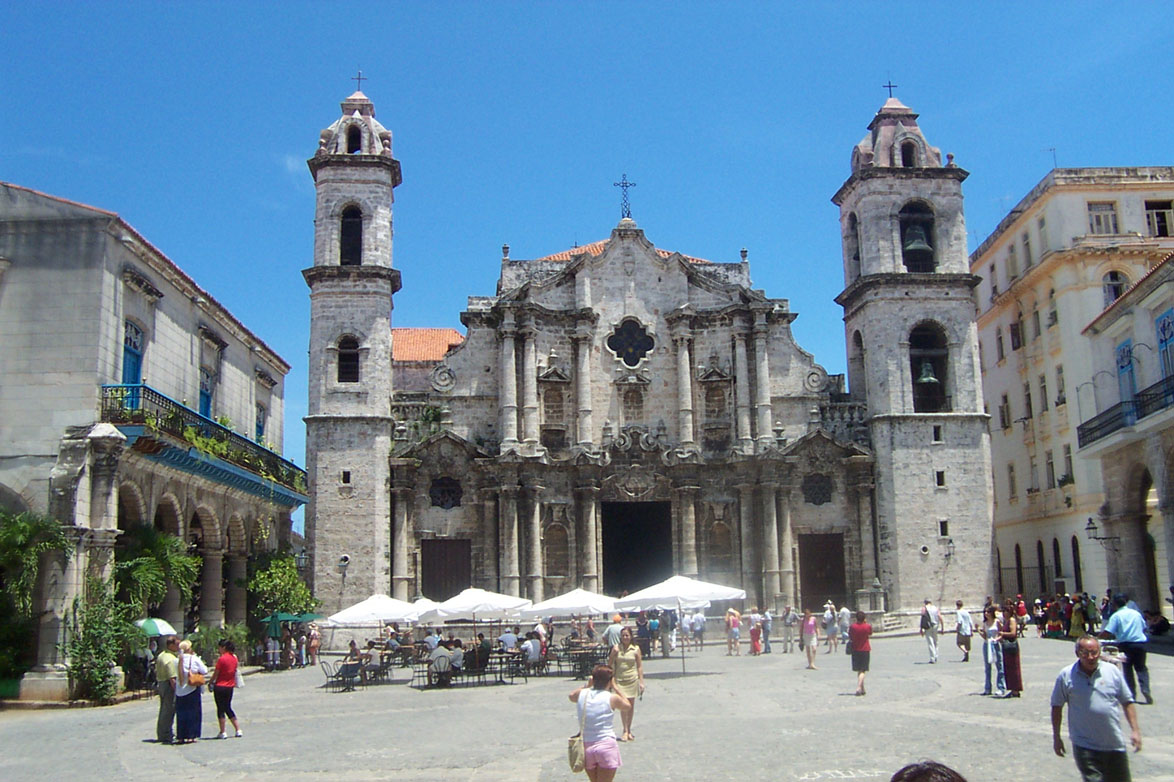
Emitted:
pixel 349 413
pixel 913 360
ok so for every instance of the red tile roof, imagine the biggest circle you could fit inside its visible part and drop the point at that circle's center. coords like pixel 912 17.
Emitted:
pixel 423 344
pixel 597 248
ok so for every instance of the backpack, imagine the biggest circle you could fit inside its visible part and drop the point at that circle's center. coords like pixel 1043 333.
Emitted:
pixel 925 621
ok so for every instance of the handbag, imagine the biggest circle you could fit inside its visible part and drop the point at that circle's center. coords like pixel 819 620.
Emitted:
pixel 196 679
pixel 1009 645
pixel 576 754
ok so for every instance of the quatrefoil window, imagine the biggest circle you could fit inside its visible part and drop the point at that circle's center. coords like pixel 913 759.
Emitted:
pixel 630 342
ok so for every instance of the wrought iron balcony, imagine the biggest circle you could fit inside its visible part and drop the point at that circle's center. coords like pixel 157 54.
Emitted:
pixel 1117 417
pixel 142 406
pixel 1157 397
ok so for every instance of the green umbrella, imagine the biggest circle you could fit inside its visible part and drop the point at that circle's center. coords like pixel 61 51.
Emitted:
pixel 274 621
pixel 310 617
pixel 152 626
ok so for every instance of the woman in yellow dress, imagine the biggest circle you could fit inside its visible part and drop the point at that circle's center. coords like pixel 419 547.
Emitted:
pixel 628 665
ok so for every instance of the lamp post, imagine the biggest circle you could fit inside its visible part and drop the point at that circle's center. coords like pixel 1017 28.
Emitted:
pixel 301 560
pixel 1091 530
pixel 950 549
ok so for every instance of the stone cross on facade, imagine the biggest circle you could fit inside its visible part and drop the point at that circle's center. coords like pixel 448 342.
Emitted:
pixel 890 86
pixel 359 80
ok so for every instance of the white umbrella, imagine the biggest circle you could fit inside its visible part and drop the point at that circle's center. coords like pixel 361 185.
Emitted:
pixel 577 601
pixel 377 609
pixel 478 605
pixel 678 592
pixel 423 605
pixel 153 626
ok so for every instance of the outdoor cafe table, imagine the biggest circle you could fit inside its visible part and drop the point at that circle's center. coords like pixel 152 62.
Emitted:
pixel 585 658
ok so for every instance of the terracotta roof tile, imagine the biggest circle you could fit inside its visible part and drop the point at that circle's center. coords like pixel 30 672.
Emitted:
pixel 423 344
pixel 597 248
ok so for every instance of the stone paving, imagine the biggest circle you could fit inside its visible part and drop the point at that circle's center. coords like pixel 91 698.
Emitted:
pixel 738 718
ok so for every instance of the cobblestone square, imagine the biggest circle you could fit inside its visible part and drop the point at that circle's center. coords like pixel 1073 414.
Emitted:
pixel 730 718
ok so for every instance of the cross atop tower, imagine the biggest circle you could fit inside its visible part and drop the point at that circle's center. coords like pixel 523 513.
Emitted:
pixel 360 79
pixel 625 205
pixel 890 86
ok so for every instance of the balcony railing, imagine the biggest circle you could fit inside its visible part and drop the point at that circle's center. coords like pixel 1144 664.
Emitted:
pixel 141 405
pixel 1148 401
pixel 1117 417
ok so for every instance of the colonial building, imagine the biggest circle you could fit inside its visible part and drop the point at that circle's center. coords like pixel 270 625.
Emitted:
pixel 1132 440
pixel 1067 250
pixel 618 412
pixel 103 340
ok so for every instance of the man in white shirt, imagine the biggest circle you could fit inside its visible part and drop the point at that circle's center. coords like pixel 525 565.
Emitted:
pixel 699 629
pixel 964 630
pixel 509 639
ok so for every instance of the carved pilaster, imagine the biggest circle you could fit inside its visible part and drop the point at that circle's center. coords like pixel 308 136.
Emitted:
pixel 508 383
pixel 534 564
pixel 510 577
pixel 686 497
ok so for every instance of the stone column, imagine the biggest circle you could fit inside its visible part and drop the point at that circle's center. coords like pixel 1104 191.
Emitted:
pixel 786 548
pixel 171 608
pixel 489 536
pixel 588 496
pixel 211 590
pixel 401 576
pixel 510 577
pixel 106 447
pixel 745 532
pixel 56 589
pixel 687 517
pixel 534 568
pixel 770 543
pixel 684 392
pixel 508 393
pixel 868 563
pixel 236 608
pixel 762 386
pixel 583 388
pixel 742 393
pixel 529 388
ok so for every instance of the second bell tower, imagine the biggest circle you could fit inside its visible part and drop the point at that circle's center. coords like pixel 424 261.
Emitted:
pixel 913 361
pixel 349 413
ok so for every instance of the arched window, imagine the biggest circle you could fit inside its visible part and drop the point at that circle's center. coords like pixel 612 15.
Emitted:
pixel 1077 576
pixel 354 140
pixel 1059 563
pixel 852 247
pixel 857 384
pixel 1018 570
pixel 917 252
pixel 999 569
pixel 909 154
pixel 927 358
pixel 1114 284
pixel 350 245
pixel 348 360
pixel 1043 568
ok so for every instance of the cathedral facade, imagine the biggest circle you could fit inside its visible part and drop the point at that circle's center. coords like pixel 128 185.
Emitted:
pixel 617 412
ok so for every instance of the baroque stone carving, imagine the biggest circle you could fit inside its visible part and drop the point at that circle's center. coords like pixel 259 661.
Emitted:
pixel 445 493
pixel 443 378
pixel 816 380
pixel 636 482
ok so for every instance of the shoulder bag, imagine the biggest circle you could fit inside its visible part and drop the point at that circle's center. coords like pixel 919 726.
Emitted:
pixel 195 678
pixel 576 755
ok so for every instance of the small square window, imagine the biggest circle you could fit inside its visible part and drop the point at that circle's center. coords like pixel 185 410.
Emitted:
pixel 937 434
pixel 943 528
pixel 940 477
pixel 346 476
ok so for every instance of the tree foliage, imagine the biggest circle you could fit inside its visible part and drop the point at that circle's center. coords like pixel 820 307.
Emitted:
pixel 278 587
pixel 149 562
pixel 24 538
pixel 98 632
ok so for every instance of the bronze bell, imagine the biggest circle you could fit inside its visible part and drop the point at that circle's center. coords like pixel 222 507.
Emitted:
pixel 927 375
pixel 915 240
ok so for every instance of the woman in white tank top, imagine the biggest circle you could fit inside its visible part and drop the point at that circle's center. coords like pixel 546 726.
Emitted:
pixel 596 705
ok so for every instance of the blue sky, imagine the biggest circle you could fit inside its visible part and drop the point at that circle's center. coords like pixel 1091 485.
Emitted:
pixel 512 120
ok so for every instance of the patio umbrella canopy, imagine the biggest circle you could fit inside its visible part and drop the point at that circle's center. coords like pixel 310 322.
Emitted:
pixel 377 609
pixel 477 605
pixel 575 602
pixel 152 626
pixel 678 592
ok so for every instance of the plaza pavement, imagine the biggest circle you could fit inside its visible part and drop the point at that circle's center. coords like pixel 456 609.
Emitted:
pixel 739 718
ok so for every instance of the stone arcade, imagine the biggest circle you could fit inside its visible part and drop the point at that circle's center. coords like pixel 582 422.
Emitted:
pixel 618 412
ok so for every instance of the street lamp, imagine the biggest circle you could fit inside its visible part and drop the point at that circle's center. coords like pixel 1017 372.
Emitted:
pixel 950 548
pixel 301 559
pixel 1091 530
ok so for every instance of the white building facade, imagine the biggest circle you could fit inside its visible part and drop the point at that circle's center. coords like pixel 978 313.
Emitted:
pixel 1068 249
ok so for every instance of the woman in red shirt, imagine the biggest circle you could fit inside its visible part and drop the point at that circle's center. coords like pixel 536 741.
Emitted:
pixel 224 680
pixel 858 635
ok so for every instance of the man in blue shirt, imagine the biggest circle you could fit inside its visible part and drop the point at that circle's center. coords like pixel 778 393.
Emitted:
pixel 1127 627
pixel 1096 694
